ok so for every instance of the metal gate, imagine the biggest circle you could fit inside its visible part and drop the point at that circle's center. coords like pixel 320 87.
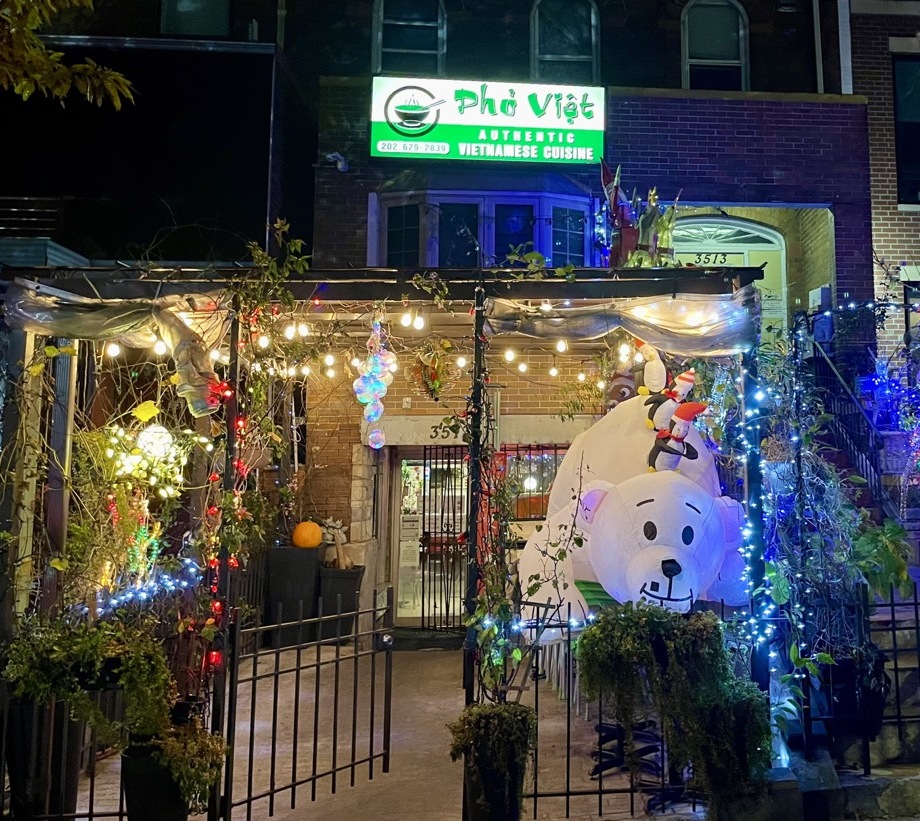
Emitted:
pixel 308 707
pixel 443 551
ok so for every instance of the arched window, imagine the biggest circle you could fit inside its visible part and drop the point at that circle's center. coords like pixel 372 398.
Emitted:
pixel 410 37
pixel 714 36
pixel 564 41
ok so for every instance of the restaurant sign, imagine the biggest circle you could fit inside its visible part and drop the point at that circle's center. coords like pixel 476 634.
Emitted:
pixel 481 120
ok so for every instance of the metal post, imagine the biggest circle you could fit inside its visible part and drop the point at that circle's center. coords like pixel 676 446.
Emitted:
pixel 476 410
pixel 21 440
pixel 760 669
pixel 58 482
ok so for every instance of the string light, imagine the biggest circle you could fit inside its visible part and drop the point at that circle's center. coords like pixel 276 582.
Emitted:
pixel 330 372
pixel 522 367
pixel 546 306
pixel 290 331
pixel 601 384
pixel 419 322
pixel 638 358
pixel 303 329
pixel 406 319
pixel 554 371
pixel 264 341
pixel 355 362
pixel 159 347
pixel 304 370
pixel 510 355
pixel 461 361
pixel 113 349
pixel 562 346
pixel 624 349
pixel 581 376
pixel 214 354
pixel 329 360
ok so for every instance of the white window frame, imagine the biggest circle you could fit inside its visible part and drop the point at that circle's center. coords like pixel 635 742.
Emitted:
pixel 380 19
pixel 429 239
pixel 743 45
pixel 537 59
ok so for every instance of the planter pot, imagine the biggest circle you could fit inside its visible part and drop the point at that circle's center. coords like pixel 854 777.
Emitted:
pixel 151 794
pixel 293 579
pixel 186 709
pixel 495 797
pixel 333 584
pixel 43 747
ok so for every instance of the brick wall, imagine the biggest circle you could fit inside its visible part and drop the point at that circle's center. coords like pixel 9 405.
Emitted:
pixel 816 232
pixel 895 234
pixel 716 148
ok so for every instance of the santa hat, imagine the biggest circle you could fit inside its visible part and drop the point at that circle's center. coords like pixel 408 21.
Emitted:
pixel 688 411
pixel 686 379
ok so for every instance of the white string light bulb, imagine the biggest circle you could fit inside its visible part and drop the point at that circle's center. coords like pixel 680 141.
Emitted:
pixel 554 371
pixel 461 361
pixel 330 372
pixel 405 320
pixel 562 346
pixel 113 349
pixel 419 322
pixel 159 347
pixel 329 360
pixel 303 329
pixel 510 355
pixel 581 377
pixel 522 367
pixel 264 341
pixel 290 331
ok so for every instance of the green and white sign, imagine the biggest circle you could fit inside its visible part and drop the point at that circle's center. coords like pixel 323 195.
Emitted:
pixel 481 120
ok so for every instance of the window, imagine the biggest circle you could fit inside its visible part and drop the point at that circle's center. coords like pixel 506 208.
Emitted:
pixel 568 236
pixel 402 233
pixel 195 18
pixel 564 41
pixel 907 127
pixel 453 229
pixel 715 45
pixel 410 37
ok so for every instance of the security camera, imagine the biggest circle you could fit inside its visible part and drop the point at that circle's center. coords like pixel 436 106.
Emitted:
pixel 341 164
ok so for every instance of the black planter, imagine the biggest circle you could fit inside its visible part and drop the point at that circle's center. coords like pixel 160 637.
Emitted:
pixel 186 710
pixel 293 580
pixel 495 795
pixel 335 583
pixel 151 794
pixel 42 759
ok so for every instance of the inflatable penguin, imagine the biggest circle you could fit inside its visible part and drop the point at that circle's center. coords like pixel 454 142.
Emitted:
pixel 662 405
pixel 654 374
pixel 670 445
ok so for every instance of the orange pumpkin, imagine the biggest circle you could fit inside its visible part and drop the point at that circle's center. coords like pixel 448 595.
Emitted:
pixel 307 534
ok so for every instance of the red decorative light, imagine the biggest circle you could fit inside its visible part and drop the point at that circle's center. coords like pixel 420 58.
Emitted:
pixel 317 301
pixel 234 562
pixel 214 563
pixel 213 510
pixel 213 478
pixel 217 607
pixel 216 659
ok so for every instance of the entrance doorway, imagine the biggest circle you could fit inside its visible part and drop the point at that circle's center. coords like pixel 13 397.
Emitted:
pixel 429 542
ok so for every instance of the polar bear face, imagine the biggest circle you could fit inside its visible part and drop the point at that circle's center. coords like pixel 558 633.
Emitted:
pixel 658 537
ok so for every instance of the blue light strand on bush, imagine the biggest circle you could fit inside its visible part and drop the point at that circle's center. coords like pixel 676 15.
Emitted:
pixel 164 584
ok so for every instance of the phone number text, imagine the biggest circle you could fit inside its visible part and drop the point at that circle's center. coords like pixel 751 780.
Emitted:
pixel 414 147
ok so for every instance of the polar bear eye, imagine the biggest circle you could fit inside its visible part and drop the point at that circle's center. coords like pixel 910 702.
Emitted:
pixel 686 535
pixel 650 530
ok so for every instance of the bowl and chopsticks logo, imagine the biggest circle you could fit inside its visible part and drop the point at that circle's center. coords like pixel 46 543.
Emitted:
pixel 412 111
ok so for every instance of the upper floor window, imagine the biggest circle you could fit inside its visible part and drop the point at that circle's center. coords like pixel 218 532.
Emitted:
pixel 714 37
pixel 907 127
pixel 564 41
pixel 469 229
pixel 410 37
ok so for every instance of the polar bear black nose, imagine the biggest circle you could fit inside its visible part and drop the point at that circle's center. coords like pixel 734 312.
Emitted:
pixel 670 568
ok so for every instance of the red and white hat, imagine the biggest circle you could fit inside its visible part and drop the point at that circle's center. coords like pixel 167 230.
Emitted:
pixel 688 411
pixel 685 382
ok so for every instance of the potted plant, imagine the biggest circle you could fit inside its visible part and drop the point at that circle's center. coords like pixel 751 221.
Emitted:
pixel 52 668
pixel 645 658
pixel 496 741
pixel 167 769
pixel 340 582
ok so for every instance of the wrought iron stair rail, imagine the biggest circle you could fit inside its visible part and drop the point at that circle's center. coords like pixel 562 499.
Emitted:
pixel 854 430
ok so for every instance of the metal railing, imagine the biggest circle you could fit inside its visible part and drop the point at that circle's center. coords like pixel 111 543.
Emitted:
pixel 853 429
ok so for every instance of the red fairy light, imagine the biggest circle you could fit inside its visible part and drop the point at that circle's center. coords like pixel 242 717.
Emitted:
pixel 213 478
pixel 215 659
pixel 275 310
pixel 213 510
pixel 217 607
pixel 317 301
pixel 234 562
pixel 214 563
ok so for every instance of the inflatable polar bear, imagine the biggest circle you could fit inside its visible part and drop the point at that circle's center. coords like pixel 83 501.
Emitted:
pixel 657 536
pixel 669 538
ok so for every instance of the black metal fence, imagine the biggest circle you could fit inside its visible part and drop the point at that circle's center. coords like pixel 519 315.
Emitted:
pixel 309 707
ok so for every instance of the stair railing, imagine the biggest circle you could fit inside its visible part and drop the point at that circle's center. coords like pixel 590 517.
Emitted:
pixel 854 430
